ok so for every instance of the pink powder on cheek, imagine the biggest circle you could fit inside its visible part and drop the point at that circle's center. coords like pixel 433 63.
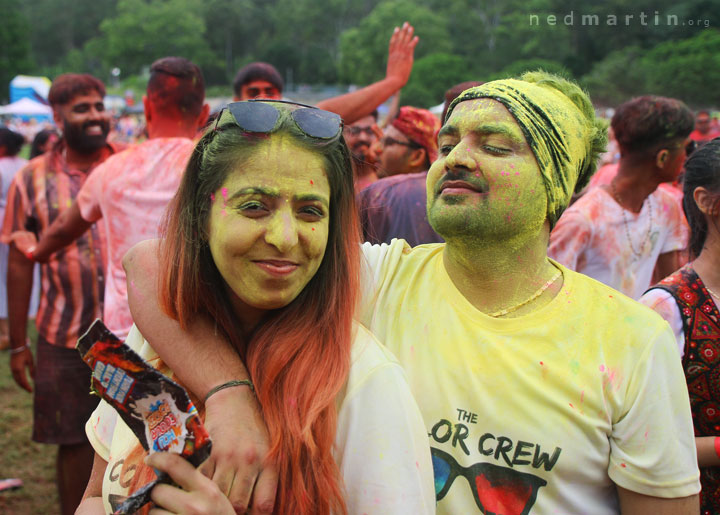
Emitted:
pixel 224 193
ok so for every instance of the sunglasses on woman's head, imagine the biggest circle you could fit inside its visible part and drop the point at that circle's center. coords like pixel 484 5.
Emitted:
pixel 260 116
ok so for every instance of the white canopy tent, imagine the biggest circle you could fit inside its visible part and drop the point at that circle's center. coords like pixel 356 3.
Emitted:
pixel 26 107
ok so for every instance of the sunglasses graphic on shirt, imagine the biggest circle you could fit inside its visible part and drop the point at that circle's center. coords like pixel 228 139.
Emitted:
pixel 496 490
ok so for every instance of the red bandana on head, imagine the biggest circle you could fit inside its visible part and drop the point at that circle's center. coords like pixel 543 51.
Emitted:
pixel 420 126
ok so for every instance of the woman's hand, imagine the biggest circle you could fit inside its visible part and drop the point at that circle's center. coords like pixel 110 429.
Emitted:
pixel 240 445
pixel 197 494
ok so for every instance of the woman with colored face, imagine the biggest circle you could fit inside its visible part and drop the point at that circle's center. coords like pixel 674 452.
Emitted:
pixel 262 238
pixel 689 300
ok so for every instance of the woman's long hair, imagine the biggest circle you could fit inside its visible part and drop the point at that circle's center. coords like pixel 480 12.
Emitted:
pixel 701 169
pixel 299 355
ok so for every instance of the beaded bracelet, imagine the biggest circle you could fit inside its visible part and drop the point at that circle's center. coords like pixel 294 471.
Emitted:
pixel 230 384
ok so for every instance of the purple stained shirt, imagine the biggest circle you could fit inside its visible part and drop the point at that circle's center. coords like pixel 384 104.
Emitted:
pixel 394 207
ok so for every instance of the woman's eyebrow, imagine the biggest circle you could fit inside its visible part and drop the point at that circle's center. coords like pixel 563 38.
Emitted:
pixel 275 193
pixel 256 190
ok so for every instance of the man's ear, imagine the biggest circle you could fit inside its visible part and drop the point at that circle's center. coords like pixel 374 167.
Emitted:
pixel 662 158
pixel 417 158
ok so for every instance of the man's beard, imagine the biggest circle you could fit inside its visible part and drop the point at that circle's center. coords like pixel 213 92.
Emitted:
pixel 76 137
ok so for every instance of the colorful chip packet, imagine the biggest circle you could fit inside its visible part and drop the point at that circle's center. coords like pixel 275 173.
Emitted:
pixel 155 408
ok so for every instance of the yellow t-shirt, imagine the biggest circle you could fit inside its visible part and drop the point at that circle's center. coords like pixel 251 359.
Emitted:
pixel 543 413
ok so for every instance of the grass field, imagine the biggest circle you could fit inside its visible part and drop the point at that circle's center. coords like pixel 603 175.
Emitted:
pixel 19 456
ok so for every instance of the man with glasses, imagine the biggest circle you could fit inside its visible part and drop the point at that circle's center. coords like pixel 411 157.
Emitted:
pixel 362 137
pixel 394 207
pixel 621 232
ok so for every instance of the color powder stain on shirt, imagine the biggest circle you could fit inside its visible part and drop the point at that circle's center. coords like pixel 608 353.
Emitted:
pixel 623 465
pixel 544 370
pixel 311 183
pixel 601 368
pixel 574 366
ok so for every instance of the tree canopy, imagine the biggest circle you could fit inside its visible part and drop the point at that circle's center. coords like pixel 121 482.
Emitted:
pixel 616 48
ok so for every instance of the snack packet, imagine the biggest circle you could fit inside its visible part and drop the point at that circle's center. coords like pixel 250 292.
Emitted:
pixel 154 407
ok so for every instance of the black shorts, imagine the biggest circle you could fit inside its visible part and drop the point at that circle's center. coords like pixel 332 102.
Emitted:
pixel 62 400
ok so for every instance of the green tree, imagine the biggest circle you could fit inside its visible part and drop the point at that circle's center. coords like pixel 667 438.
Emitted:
pixel 433 75
pixel 517 68
pixel 145 30
pixel 14 46
pixel 233 30
pixel 687 69
pixel 617 78
pixel 59 27
pixel 363 49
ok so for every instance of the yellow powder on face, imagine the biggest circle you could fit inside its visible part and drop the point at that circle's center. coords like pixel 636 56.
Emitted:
pixel 564 139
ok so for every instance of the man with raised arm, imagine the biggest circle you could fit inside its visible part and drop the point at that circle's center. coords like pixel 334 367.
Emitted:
pixel 537 384
pixel 262 80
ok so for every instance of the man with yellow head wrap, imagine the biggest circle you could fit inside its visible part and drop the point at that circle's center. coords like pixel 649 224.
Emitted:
pixel 535 382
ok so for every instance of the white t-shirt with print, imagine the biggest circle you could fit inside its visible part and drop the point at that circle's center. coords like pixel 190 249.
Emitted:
pixel 381 446
pixel 597 237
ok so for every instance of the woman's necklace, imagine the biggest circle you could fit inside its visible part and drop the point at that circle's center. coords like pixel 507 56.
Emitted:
pixel 637 253
pixel 532 298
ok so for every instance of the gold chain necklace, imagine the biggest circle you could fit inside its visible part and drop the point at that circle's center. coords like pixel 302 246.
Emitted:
pixel 712 292
pixel 646 239
pixel 532 298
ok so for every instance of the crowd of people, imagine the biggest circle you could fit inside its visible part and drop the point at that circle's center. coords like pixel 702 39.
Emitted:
pixel 415 315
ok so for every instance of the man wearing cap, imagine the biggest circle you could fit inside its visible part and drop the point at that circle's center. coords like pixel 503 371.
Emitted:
pixel 537 384
pixel 394 207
